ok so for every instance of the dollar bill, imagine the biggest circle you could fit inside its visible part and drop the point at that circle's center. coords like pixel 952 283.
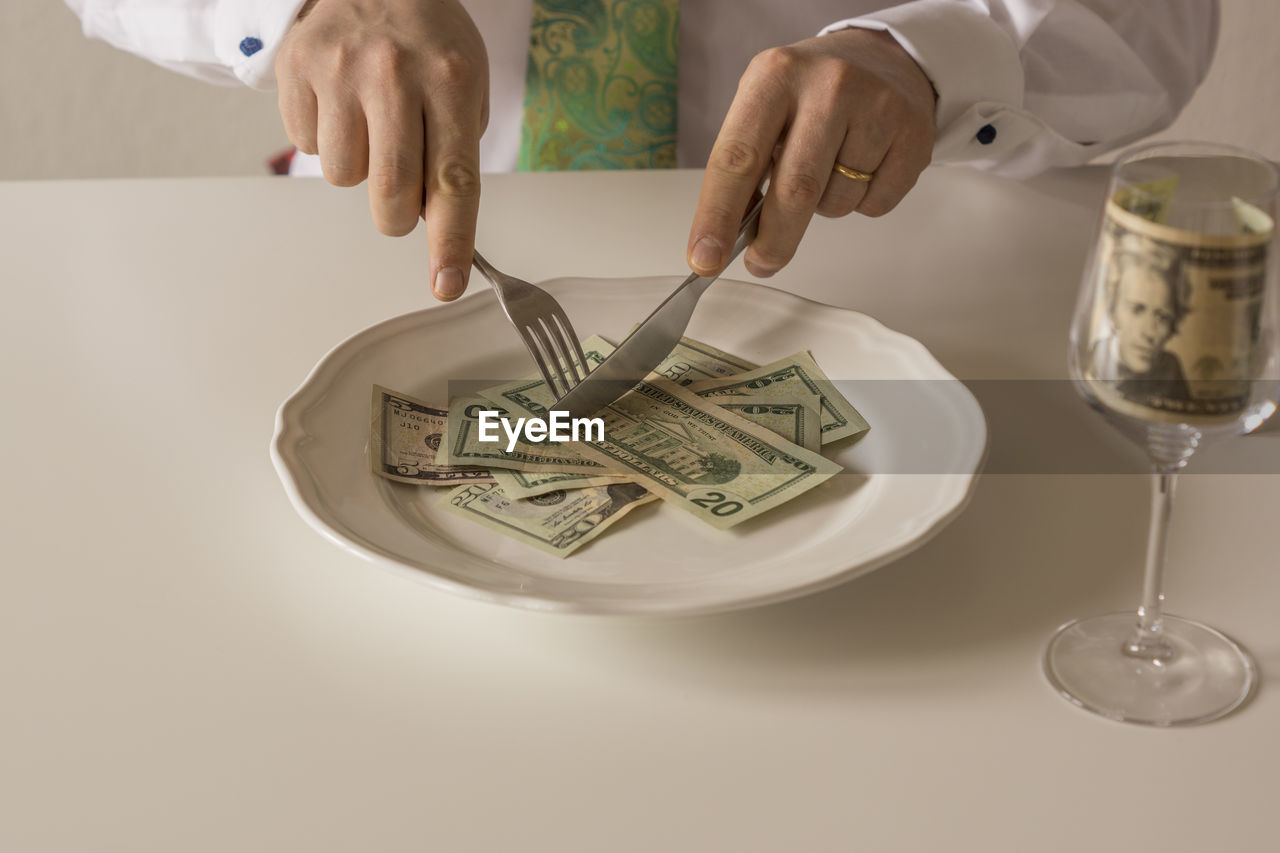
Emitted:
pixel 797 418
pixel 518 485
pixel 1149 200
pixel 690 361
pixel 694 361
pixel 404 436
pixel 462 444
pixel 698 456
pixel 531 394
pixel 795 374
pixel 557 522
pixel 1176 326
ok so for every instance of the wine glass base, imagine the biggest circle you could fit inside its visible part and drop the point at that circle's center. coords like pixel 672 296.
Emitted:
pixel 1206 677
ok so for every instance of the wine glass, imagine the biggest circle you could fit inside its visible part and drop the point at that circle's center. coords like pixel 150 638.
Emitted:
pixel 1173 343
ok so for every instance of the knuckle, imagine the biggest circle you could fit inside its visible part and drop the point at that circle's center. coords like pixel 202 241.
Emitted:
pixel 799 192
pixel 453 69
pixel 774 62
pixel 841 76
pixel 387 62
pixel 303 141
pixel 342 173
pixel 457 178
pixel 342 59
pixel 301 134
pixel 736 157
pixel 876 205
pixel 772 257
pixel 453 249
pixel 391 179
pixel 834 208
pixel 887 102
pixel 290 61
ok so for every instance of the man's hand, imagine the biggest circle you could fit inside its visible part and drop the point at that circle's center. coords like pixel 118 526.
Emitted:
pixel 396 91
pixel 853 97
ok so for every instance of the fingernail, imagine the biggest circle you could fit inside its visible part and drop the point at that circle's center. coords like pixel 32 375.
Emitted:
pixel 449 283
pixel 756 270
pixel 706 254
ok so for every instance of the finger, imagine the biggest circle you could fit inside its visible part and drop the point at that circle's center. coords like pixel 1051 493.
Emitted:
pixel 297 102
pixel 865 146
pixel 343 138
pixel 738 161
pixel 452 194
pixel 798 181
pixel 396 161
pixel 894 178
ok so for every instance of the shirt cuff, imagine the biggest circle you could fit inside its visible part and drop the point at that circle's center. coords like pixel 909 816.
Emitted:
pixel 968 57
pixel 247 37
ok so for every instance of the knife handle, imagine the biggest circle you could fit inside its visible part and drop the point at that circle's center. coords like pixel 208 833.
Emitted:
pixel 747 231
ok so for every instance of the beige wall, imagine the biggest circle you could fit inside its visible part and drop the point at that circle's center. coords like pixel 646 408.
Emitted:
pixel 71 108
pixel 74 108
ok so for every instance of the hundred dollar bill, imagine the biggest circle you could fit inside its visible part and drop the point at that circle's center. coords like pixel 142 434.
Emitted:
pixel 557 522
pixel 403 438
pixel 462 444
pixel 1175 330
pixel 697 456
pixel 518 485
pixel 797 418
pixel 795 374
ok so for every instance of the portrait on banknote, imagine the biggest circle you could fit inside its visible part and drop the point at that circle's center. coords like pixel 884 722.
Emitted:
pixel 1175 326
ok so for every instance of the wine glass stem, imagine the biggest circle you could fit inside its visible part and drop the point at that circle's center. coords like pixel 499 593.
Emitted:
pixel 1147 641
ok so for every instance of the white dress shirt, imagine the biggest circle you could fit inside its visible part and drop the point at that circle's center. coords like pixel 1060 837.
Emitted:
pixel 1022 84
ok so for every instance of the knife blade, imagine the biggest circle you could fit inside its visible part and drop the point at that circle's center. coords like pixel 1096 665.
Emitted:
pixel 652 341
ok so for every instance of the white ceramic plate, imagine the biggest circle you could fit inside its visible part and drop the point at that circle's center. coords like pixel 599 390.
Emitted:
pixel 903 481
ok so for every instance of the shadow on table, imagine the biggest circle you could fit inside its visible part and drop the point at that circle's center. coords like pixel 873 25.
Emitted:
pixel 1030 552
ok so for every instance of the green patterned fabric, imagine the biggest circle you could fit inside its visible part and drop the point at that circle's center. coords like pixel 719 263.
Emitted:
pixel 600 87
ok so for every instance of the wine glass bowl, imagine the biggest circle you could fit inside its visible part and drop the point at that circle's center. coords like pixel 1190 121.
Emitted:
pixel 1174 344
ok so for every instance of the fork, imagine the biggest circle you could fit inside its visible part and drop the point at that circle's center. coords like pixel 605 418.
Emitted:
pixel 539 320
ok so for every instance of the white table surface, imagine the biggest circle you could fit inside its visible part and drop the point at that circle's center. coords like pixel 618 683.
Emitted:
pixel 186 666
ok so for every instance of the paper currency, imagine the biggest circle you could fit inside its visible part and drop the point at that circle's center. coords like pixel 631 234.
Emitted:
pixel 404 436
pixel 689 362
pixel 797 418
pixel 1176 324
pixel 693 361
pixel 696 455
pixel 462 444
pixel 795 374
pixel 746 447
pixel 518 485
pixel 557 522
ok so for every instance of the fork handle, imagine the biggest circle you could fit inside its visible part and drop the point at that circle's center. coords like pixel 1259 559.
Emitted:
pixel 485 267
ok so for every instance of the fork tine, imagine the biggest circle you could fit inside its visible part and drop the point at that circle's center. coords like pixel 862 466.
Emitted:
pixel 531 344
pixel 556 371
pixel 542 325
pixel 560 353
pixel 577 357
pixel 555 326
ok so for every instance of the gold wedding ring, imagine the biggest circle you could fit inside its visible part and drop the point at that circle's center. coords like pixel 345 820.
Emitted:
pixel 852 174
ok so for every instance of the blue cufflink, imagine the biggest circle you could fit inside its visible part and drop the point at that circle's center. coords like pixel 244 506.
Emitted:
pixel 250 45
pixel 986 134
